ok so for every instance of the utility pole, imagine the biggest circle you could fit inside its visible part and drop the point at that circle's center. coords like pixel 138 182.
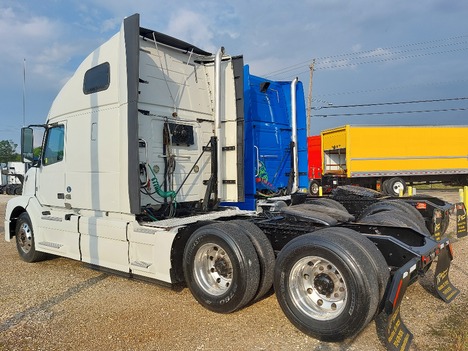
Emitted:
pixel 309 98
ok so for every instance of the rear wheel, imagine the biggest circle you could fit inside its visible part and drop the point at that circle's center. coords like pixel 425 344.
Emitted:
pixel 314 187
pixel 265 253
pixel 370 249
pixel 412 212
pixel 414 218
pixel 324 201
pixel 221 267
pixel 355 191
pixel 391 218
pixel 395 185
pixel 324 287
pixel 18 190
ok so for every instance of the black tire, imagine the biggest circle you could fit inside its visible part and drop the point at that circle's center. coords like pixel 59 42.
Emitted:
pixel 329 203
pixel 394 186
pixel 314 186
pixel 265 254
pixel 411 211
pixel 18 190
pixel 313 207
pixel 384 187
pixel 221 267
pixel 394 218
pixel 344 294
pixel 379 264
pixel 25 242
pixel 351 190
pixel 403 210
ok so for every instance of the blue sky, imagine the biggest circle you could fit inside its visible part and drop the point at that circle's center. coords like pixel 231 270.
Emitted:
pixel 366 51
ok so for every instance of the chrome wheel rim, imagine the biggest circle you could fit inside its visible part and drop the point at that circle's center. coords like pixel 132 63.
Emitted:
pixel 397 187
pixel 318 288
pixel 314 188
pixel 25 237
pixel 213 269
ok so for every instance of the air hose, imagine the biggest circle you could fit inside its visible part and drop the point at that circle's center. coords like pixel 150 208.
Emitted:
pixel 157 187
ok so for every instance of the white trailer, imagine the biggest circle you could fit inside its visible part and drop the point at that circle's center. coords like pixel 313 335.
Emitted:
pixel 141 146
pixel 16 171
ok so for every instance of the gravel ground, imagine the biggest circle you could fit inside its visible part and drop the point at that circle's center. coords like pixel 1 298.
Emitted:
pixel 62 304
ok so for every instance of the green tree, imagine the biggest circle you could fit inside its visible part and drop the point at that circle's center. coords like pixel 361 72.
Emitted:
pixel 37 152
pixel 8 151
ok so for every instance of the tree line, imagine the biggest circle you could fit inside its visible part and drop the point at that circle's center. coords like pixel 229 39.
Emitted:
pixel 8 151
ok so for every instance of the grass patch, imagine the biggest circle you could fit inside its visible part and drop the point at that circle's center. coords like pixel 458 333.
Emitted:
pixel 453 329
pixel 436 186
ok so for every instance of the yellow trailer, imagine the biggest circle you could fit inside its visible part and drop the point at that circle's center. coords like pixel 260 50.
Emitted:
pixel 388 157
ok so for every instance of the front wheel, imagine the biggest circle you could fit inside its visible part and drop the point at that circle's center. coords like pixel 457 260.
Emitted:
pixel 324 287
pixel 25 242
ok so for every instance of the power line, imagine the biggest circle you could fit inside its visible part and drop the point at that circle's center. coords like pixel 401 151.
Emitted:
pixel 392 88
pixel 392 103
pixel 390 112
pixel 383 52
pixel 301 64
pixel 392 47
pixel 376 61
pixel 390 59
pixel 375 53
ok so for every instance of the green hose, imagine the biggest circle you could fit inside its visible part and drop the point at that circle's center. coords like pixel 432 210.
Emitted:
pixel 157 187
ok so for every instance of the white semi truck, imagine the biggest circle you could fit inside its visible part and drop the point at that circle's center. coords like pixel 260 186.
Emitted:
pixel 12 175
pixel 142 147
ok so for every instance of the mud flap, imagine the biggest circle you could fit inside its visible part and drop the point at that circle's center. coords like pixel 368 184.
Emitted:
pixel 446 290
pixel 398 336
pixel 461 220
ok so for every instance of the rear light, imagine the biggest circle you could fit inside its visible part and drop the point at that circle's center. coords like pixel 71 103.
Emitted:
pixel 421 206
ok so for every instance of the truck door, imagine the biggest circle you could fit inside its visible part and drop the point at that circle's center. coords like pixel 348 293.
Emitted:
pixel 51 175
pixel 57 226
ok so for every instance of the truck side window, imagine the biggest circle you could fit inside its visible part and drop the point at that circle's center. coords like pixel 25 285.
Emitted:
pixel 53 150
pixel 97 78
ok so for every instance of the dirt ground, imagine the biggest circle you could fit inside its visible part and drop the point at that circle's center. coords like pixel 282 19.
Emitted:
pixel 61 304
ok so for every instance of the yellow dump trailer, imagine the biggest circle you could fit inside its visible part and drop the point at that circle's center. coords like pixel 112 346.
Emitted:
pixel 389 157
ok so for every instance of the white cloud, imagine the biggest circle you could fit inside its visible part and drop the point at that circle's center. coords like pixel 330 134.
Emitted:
pixel 111 24
pixel 192 27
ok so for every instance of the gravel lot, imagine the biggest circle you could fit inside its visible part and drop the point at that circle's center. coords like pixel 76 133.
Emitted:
pixel 61 304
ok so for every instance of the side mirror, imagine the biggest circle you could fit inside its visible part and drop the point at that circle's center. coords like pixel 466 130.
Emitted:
pixel 27 145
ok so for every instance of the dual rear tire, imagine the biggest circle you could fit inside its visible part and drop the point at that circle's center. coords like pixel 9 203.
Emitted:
pixel 328 283
pixel 228 265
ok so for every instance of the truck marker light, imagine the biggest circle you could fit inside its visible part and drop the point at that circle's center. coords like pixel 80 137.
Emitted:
pixel 398 290
pixel 421 206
